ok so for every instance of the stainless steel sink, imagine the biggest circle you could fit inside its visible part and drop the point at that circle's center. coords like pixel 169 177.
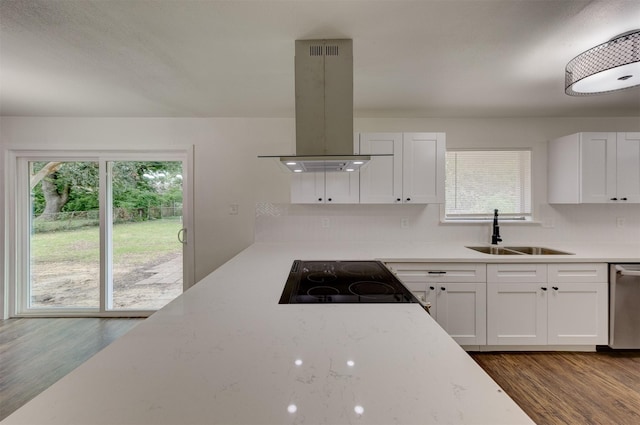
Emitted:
pixel 518 250
pixel 537 250
pixel 494 250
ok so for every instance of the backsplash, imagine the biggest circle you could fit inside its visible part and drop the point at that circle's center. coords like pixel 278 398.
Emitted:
pixel 608 223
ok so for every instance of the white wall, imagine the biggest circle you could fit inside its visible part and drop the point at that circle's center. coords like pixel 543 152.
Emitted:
pixel 227 171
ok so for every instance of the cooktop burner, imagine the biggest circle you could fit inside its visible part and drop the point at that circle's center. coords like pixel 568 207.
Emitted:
pixel 343 282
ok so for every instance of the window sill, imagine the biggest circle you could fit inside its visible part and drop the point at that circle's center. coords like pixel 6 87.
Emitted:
pixel 490 221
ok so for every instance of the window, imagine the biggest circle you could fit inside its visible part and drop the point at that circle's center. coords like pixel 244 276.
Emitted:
pixel 479 181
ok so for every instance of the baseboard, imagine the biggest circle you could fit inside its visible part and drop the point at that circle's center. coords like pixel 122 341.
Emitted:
pixel 541 348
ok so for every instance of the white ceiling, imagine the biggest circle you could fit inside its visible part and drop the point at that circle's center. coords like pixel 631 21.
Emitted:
pixel 446 58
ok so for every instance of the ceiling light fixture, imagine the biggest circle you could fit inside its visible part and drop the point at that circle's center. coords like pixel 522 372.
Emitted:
pixel 610 66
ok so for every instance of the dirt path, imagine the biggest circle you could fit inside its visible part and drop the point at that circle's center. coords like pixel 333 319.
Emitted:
pixel 71 284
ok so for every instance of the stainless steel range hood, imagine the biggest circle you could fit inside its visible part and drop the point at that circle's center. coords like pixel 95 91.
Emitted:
pixel 324 108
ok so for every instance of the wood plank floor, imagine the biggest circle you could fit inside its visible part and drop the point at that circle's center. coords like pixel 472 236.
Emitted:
pixel 570 388
pixel 552 388
pixel 35 353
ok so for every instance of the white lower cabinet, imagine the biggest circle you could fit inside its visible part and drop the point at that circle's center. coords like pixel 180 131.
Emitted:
pixel 460 310
pixel 578 304
pixel 540 304
pixel 516 314
pixel 456 293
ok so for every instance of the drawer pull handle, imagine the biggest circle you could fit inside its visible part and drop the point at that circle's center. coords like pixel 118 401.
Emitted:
pixel 437 272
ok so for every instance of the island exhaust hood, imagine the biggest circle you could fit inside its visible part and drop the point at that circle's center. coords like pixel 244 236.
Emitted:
pixel 324 108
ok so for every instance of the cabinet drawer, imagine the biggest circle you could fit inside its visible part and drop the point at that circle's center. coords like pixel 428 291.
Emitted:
pixel 415 286
pixel 578 272
pixel 439 272
pixel 517 273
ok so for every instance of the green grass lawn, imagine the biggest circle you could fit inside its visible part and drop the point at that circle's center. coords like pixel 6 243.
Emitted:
pixel 133 243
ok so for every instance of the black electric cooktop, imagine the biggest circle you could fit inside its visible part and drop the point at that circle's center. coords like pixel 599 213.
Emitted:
pixel 343 282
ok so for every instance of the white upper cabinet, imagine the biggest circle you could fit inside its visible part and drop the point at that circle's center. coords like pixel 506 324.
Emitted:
pixel 594 168
pixel 325 188
pixel 414 174
pixel 423 161
pixel 628 166
pixel 381 178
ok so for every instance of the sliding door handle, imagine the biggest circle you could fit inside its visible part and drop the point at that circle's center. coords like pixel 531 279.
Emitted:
pixel 182 236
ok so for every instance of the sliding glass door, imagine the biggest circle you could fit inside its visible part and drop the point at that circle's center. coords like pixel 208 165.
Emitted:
pixel 100 236
pixel 145 220
pixel 64 236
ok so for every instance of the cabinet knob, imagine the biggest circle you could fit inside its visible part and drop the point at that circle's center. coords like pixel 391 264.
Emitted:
pixel 614 199
pixel 555 288
pixel 432 288
pixel 443 288
pixel 319 199
pixel 398 200
pixel 408 199
pixel 329 199
pixel 623 199
pixel 544 288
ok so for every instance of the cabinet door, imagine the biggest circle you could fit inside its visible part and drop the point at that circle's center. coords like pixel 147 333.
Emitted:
pixel 598 167
pixel 563 170
pixel 516 313
pixel 342 188
pixel 577 313
pixel 425 293
pixel 461 311
pixel 381 179
pixel 628 167
pixel 423 168
pixel 307 188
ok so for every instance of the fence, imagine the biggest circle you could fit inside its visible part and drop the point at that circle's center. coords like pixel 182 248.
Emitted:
pixel 70 220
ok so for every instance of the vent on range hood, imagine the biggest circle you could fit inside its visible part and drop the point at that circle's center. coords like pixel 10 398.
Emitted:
pixel 324 108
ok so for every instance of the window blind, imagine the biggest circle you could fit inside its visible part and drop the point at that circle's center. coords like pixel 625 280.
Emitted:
pixel 479 181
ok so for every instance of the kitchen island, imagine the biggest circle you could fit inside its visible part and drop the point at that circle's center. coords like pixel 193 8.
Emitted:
pixel 226 352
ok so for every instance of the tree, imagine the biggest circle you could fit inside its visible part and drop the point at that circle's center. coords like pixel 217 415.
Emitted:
pixel 73 185
pixel 54 198
pixel 62 183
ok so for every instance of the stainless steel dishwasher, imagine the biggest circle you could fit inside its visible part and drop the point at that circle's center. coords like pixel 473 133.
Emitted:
pixel 624 306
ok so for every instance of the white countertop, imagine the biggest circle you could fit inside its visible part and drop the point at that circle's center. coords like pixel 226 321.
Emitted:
pixel 225 352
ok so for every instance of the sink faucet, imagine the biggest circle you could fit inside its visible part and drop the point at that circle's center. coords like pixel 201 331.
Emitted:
pixel 495 236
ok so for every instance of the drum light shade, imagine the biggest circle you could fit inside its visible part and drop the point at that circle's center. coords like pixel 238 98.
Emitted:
pixel 610 66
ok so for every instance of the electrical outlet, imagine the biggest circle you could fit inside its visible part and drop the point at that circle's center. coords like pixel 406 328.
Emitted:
pixel 620 222
pixel 404 223
pixel 325 223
